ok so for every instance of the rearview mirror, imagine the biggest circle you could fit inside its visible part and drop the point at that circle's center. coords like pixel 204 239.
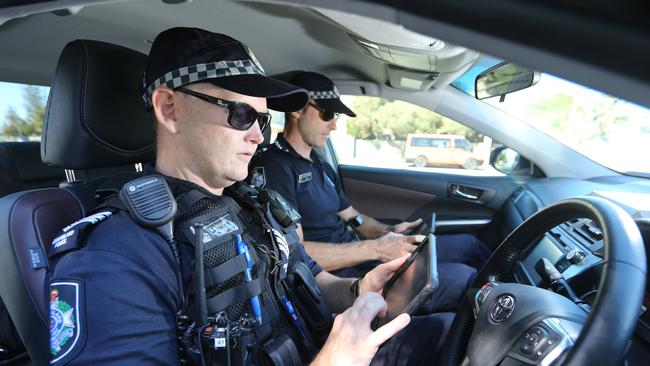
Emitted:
pixel 502 79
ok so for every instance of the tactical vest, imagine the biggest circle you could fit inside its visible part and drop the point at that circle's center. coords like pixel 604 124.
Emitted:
pixel 253 302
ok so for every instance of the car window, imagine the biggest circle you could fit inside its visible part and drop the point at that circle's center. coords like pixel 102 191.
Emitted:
pixel 22 108
pixel 420 141
pixel 606 129
pixel 396 134
pixel 462 144
pixel 440 143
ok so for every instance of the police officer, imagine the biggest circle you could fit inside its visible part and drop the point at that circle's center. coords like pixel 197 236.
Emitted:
pixel 119 290
pixel 296 171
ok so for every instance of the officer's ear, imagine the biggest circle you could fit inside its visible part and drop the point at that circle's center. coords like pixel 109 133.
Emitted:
pixel 295 115
pixel 164 101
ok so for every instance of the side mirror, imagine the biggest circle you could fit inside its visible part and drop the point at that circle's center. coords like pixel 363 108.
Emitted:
pixel 503 79
pixel 508 161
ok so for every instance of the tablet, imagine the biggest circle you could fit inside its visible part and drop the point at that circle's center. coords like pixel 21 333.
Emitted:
pixel 413 283
pixel 428 226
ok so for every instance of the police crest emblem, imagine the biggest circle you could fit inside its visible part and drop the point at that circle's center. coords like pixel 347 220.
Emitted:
pixel 66 334
pixel 258 179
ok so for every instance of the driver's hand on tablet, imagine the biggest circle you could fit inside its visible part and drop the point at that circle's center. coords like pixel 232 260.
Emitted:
pixel 352 341
pixel 406 226
pixel 392 245
pixel 375 280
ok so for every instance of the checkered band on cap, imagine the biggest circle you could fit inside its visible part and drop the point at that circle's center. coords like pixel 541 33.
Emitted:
pixel 191 74
pixel 324 94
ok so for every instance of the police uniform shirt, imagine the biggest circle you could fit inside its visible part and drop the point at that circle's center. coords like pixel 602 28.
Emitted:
pixel 312 187
pixel 115 299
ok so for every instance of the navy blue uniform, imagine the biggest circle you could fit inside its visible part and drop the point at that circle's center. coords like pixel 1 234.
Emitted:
pixel 114 300
pixel 316 192
pixel 129 297
pixel 312 187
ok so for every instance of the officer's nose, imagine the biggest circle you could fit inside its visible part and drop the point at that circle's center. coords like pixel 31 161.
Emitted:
pixel 254 134
pixel 331 124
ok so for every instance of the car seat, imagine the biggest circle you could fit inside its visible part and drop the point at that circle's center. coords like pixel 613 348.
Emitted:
pixel 21 168
pixel 95 118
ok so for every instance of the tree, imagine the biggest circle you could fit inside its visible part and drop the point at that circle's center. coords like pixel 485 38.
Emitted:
pixel 17 127
pixel 365 126
pixel 379 118
pixel 604 114
pixel 554 111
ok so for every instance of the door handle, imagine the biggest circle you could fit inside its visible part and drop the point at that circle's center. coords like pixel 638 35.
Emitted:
pixel 459 191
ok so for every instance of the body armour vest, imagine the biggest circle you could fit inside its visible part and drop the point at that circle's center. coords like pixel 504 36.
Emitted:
pixel 249 298
pixel 245 255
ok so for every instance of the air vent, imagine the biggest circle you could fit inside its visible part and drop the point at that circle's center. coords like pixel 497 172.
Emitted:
pixel 517 194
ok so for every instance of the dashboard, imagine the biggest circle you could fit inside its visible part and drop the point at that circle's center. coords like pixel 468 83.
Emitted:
pixel 575 247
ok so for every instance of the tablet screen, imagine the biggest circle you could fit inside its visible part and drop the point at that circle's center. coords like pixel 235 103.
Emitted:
pixel 408 289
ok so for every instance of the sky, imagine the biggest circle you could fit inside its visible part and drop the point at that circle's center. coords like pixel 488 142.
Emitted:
pixel 11 95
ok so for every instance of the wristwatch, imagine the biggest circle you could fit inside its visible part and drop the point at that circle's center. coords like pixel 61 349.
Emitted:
pixel 354 287
pixel 356 221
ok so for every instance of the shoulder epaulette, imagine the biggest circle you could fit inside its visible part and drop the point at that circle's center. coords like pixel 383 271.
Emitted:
pixel 71 236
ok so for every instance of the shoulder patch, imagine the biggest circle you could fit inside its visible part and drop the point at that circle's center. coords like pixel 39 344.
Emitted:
pixel 68 238
pixel 258 178
pixel 67 315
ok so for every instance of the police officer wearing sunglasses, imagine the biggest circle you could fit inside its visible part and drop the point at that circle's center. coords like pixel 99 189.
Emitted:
pixel 292 167
pixel 222 290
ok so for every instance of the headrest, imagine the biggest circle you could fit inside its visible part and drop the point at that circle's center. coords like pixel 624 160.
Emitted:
pixel 95 116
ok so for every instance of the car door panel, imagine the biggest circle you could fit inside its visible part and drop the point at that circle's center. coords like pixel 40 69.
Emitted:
pixel 393 195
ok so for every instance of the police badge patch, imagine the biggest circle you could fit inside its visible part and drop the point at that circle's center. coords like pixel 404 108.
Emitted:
pixel 258 179
pixel 304 177
pixel 67 332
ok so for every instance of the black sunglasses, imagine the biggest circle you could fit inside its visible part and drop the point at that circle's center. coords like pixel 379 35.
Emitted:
pixel 325 115
pixel 241 116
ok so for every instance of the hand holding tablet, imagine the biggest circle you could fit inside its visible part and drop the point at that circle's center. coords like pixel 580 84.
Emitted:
pixel 413 283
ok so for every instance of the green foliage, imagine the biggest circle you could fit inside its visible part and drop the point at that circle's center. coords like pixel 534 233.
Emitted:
pixel 19 128
pixel 385 119
pixel 583 119
pixel 365 126
pixel 601 113
pixel 553 110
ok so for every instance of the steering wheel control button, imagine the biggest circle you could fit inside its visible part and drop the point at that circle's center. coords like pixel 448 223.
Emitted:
pixel 540 332
pixel 481 295
pixel 536 342
pixel 502 308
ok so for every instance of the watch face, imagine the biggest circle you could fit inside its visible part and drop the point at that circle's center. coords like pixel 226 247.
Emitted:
pixel 356 221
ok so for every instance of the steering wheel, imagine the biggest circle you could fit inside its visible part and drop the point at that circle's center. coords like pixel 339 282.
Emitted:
pixel 515 324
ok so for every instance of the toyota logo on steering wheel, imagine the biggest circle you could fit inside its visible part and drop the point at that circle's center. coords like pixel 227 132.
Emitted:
pixel 502 308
